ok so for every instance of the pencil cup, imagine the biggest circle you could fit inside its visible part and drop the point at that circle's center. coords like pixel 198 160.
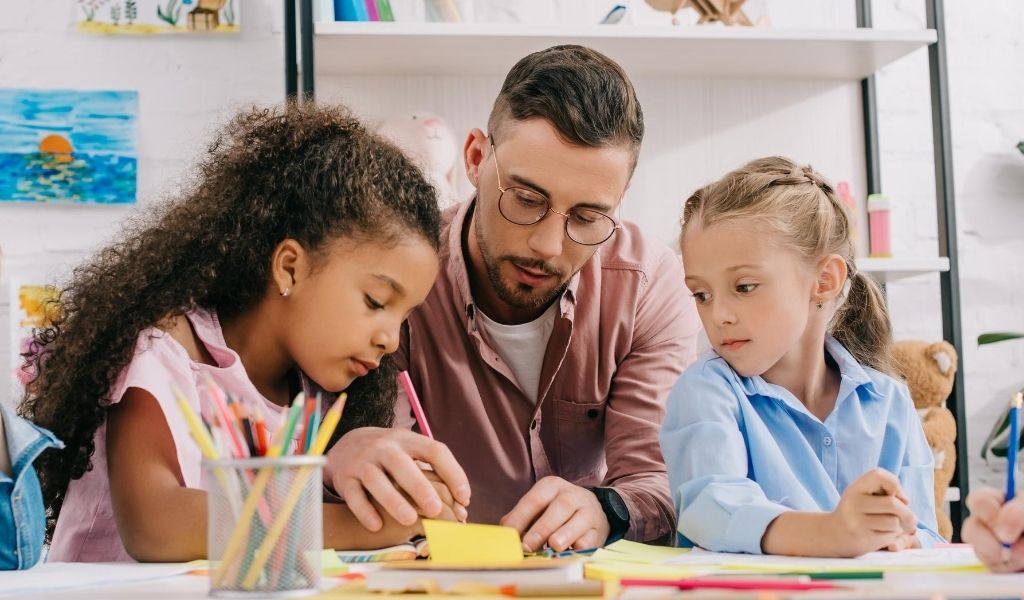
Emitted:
pixel 265 525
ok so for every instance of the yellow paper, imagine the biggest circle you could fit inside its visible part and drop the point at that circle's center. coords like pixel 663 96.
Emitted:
pixel 331 565
pixel 627 551
pixel 615 570
pixel 472 544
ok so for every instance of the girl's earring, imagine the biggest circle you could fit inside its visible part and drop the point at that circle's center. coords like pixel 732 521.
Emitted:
pixel 819 305
pixel 286 291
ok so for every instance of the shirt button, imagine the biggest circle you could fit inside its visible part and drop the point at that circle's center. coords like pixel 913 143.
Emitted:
pixel 828 441
pixel 593 413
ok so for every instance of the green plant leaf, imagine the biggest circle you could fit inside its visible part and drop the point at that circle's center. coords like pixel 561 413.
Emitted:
pixel 1020 146
pixel 992 338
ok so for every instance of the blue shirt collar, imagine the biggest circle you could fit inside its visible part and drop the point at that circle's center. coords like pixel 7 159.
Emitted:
pixel 853 378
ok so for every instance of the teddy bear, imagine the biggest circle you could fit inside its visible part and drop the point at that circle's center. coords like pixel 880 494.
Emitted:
pixel 928 370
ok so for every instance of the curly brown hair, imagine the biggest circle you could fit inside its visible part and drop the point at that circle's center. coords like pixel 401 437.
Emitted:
pixel 307 172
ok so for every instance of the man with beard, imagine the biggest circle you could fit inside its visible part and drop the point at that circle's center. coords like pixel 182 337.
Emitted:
pixel 546 349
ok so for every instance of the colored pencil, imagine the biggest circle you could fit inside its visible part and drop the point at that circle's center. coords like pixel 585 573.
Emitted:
pixel 1011 459
pixel 323 438
pixel 414 402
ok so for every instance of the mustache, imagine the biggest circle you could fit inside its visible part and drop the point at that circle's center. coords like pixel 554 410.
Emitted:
pixel 534 264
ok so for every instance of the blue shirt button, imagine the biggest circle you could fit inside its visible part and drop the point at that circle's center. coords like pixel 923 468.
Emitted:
pixel 828 441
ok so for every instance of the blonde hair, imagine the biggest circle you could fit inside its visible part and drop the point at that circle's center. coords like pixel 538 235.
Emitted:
pixel 800 205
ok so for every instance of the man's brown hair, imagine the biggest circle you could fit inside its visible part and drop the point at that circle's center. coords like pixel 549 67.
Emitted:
pixel 584 94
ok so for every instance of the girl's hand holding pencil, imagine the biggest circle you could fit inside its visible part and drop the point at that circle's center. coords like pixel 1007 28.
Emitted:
pixel 873 514
pixel 384 465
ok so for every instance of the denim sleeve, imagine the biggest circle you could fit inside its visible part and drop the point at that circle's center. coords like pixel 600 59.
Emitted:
pixel 22 515
pixel 718 506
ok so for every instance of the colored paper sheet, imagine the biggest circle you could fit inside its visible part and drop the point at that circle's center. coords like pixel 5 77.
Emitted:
pixel 472 544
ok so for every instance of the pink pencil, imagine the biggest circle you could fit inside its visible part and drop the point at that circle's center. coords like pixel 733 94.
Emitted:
pixel 731 584
pixel 414 401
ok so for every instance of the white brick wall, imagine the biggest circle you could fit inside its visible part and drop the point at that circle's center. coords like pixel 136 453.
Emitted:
pixel 187 86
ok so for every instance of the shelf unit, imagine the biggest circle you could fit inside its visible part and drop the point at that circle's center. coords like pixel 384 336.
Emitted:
pixel 725 52
pixel 888 270
pixel 345 48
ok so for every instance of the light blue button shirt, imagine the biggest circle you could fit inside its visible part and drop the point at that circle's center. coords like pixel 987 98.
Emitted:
pixel 741 451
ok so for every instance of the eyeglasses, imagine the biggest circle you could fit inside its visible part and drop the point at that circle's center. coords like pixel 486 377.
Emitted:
pixel 522 206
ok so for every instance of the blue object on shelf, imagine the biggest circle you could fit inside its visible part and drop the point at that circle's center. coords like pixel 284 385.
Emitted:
pixel 350 10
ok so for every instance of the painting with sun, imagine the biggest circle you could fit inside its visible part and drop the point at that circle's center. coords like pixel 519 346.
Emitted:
pixel 66 146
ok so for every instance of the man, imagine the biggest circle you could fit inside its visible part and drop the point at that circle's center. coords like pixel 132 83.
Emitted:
pixel 547 347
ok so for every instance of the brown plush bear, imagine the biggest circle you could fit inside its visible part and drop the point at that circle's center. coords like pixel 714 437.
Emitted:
pixel 928 370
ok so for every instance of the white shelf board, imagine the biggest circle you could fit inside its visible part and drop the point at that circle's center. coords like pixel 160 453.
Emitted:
pixel 361 48
pixel 891 269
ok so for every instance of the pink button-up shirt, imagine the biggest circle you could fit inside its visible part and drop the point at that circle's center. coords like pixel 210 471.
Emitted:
pixel 625 331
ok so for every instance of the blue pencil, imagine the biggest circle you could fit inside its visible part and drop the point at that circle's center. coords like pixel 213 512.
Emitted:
pixel 1011 458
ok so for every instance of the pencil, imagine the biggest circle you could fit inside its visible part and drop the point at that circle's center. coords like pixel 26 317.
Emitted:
pixel 244 523
pixel 314 423
pixel 323 437
pixel 414 402
pixel 261 432
pixel 579 588
pixel 1011 459
pixel 225 414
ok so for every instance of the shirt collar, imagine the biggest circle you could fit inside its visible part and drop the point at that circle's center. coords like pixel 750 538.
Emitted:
pixel 22 435
pixel 853 377
pixel 458 269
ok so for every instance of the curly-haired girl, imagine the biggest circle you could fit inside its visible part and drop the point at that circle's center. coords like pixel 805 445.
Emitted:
pixel 290 264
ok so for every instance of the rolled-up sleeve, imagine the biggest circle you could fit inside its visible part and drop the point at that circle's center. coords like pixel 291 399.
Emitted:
pixel 664 345
pixel 719 507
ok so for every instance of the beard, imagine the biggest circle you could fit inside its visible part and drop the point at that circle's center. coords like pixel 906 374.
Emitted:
pixel 515 294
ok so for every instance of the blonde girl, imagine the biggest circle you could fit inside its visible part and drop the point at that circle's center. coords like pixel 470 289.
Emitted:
pixel 791 436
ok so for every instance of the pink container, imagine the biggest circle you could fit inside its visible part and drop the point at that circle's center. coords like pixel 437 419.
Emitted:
pixel 878 226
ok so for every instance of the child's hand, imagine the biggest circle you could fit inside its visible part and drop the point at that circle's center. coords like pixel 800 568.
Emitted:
pixel 993 522
pixel 872 514
pixel 373 468
pixel 451 510
pixel 906 541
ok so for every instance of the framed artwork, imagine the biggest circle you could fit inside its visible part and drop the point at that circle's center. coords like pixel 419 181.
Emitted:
pixel 68 146
pixel 147 17
pixel 33 305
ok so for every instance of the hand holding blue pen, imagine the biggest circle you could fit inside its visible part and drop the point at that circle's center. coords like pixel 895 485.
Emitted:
pixel 1011 458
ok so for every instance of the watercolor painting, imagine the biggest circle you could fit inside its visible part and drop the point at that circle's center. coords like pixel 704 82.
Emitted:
pixel 32 306
pixel 65 146
pixel 146 17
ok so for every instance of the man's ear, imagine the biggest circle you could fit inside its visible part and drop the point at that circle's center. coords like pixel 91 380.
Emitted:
pixel 289 266
pixel 832 274
pixel 474 152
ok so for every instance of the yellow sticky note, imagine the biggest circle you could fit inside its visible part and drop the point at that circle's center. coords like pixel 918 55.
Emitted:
pixel 330 564
pixel 627 551
pixel 471 544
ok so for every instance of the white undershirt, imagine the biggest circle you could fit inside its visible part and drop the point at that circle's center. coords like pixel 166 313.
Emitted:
pixel 522 347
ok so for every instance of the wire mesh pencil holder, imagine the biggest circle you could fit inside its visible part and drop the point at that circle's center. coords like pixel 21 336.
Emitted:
pixel 265 525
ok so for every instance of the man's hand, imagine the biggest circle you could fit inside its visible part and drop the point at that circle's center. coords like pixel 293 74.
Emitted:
pixel 992 523
pixel 377 463
pixel 559 513
pixel 872 514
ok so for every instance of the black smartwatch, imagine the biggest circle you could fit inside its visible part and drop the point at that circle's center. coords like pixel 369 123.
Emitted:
pixel 615 511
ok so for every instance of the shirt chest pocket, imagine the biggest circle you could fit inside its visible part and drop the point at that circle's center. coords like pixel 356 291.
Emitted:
pixel 579 441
